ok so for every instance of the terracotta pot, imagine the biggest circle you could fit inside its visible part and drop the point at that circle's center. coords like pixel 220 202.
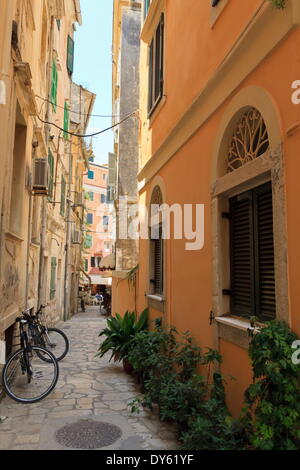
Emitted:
pixel 127 366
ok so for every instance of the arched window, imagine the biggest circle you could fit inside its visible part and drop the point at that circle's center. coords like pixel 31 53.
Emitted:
pixel 252 267
pixel 156 244
pixel 249 140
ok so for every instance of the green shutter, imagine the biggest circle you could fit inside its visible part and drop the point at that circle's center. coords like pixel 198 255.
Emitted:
pixel 66 120
pixel 86 264
pixel 63 196
pixel 51 175
pixel 88 242
pixel 70 55
pixel 53 278
pixel 54 82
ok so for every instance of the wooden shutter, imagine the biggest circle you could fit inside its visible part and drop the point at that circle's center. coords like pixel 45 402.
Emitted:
pixel 264 252
pixel 70 55
pixel 66 120
pixel 242 286
pixel 151 78
pixel 156 67
pixel 51 175
pixel 53 278
pixel 158 266
pixel 63 196
pixel 252 254
pixel 54 82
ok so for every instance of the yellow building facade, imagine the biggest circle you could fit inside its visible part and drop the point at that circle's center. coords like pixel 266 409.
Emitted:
pixel 36 66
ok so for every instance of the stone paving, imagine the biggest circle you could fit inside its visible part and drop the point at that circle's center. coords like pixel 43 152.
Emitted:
pixel 88 388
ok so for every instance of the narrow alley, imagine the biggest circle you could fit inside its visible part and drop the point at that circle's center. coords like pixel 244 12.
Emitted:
pixel 89 391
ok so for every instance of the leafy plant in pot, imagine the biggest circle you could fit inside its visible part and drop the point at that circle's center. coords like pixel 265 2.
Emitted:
pixel 119 334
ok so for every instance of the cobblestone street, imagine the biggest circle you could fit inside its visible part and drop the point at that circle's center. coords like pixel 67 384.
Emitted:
pixel 88 388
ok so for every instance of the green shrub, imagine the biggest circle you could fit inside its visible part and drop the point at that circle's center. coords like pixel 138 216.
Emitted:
pixel 272 415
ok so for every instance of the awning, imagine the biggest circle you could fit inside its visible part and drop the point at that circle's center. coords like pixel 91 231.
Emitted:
pixel 108 263
pixel 98 280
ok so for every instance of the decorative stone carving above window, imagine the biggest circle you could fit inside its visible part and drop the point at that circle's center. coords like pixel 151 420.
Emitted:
pixel 249 141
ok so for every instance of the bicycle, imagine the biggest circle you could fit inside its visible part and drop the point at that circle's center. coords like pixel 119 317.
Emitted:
pixel 26 376
pixel 52 339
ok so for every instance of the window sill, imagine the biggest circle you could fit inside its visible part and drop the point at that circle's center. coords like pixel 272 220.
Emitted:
pixel 235 330
pixel 157 302
pixel 156 110
pixel 216 12
pixel 158 298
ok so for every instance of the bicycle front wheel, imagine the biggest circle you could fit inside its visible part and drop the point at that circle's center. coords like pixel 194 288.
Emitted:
pixel 27 378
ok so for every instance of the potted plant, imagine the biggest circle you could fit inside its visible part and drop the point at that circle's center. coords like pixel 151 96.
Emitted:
pixel 119 334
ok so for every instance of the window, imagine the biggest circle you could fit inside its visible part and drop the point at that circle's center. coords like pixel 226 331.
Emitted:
pixel 63 196
pixel 88 241
pixel 156 67
pixel 90 175
pixel 54 82
pixel 104 176
pixel 53 278
pixel 51 175
pixel 103 198
pixel 91 196
pixel 156 247
pixel 105 220
pixel 89 219
pixel 70 55
pixel 66 120
pixel 156 268
pixel 58 22
pixel 93 262
pixel 98 261
pixel 252 254
pixel 106 246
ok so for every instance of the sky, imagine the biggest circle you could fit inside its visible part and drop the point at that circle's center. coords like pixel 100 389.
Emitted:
pixel 93 68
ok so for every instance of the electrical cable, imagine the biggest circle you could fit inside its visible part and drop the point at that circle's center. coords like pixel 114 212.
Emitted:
pixel 87 135
pixel 78 112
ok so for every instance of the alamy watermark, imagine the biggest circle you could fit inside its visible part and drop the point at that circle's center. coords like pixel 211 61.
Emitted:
pixel 296 354
pixel 135 221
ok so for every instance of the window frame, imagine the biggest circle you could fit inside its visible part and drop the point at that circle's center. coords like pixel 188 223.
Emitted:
pixel 91 215
pixel 255 238
pixel 156 66
pixel 70 54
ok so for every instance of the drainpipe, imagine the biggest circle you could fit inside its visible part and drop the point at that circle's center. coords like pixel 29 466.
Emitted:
pixel 41 287
pixel 29 230
pixel 67 287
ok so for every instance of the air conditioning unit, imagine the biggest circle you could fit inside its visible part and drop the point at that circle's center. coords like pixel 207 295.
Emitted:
pixel 76 237
pixel 41 176
pixel 79 199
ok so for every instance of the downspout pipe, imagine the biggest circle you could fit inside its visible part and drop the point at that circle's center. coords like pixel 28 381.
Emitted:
pixel 29 230
pixel 41 287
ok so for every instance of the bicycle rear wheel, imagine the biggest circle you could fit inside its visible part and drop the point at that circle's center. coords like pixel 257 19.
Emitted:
pixel 27 378
pixel 55 341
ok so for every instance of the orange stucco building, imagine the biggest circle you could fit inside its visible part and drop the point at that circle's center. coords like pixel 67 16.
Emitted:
pixel 98 236
pixel 219 128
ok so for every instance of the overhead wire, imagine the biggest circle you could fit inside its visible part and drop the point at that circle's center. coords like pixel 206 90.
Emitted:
pixel 86 135
pixel 78 112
